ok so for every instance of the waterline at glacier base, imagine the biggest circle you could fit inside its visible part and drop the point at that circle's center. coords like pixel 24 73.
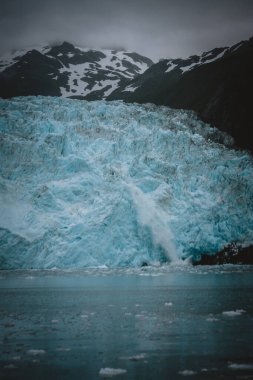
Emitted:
pixel 88 184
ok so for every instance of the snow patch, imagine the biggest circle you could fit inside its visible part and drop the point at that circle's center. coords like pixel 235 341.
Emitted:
pixel 130 89
pixel 171 67
pixel 189 67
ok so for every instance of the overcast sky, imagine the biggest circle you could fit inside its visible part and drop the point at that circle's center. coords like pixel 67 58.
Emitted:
pixel 155 28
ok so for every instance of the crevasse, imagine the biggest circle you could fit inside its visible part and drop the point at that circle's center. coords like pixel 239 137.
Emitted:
pixel 87 184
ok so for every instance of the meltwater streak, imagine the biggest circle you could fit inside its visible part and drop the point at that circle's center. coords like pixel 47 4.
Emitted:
pixel 150 215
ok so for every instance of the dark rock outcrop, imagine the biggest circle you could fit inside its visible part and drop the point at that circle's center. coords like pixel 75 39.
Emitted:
pixel 231 254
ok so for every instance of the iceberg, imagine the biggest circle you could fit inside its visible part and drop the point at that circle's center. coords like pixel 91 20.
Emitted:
pixel 89 184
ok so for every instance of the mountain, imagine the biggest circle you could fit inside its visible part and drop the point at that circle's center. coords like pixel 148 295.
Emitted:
pixel 68 71
pixel 217 85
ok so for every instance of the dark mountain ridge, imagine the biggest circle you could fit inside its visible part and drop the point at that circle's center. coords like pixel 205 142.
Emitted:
pixel 217 85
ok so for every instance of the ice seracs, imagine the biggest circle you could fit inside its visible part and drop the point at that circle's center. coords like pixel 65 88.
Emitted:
pixel 109 184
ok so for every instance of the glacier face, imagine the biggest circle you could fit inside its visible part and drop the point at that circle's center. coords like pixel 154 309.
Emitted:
pixel 87 184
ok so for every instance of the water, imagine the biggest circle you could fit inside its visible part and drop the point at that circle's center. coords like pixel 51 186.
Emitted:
pixel 168 322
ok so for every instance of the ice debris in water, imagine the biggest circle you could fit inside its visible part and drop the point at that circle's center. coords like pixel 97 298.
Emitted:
pixel 109 184
pixel 233 313
pixel 36 352
pixel 9 366
pixel 241 366
pixel 134 357
pixel 109 372
pixel 187 372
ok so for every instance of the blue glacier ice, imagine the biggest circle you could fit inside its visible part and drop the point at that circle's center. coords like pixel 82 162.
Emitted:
pixel 87 184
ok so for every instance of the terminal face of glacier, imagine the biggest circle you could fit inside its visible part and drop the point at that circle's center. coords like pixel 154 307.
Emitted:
pixel 97 183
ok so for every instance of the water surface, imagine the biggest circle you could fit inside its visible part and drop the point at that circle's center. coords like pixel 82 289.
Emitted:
pixel 155 323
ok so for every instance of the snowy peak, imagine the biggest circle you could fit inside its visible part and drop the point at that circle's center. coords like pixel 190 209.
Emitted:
pixel 69 71
pixel 173 69
pixel 8 59
pixel 194 61
pixel 213 55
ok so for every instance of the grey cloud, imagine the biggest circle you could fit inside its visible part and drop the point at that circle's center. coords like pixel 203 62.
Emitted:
pixel 157 29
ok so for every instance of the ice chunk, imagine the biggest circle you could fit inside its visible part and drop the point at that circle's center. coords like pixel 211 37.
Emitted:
pixel 187 372
pixel 110 372
pixel 10 366
pixel 233 313
pixel 134 357
pixel 16 358
pixel 36 352
pixel 241 366
pixel 63 349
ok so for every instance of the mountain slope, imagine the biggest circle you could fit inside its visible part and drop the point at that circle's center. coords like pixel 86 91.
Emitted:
pixel 217 85
pixel 68 71
pixel 160 76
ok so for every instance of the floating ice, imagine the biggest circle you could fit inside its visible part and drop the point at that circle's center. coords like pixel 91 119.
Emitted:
pixel 241 366
pixel 108 184
pixel 36 352
pixel 16 358
pixel 134 357
pixel 233 313
pixel 187 372
pixel 10 366
pixel 63 349
pixel 109 372
pixel 211 319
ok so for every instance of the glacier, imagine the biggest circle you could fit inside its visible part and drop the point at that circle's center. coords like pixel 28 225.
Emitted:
pixel 110 184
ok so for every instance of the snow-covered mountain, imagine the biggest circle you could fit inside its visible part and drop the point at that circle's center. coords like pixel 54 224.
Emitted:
pixel 169 71
pixel 217 85
pixel 68 71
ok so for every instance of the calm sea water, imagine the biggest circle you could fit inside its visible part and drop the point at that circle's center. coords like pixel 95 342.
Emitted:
pixel 151 323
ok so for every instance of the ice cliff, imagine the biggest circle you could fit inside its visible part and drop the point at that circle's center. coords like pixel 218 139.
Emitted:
pixel 107 183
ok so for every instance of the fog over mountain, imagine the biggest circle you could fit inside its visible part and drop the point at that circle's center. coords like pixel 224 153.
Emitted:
pixel 165 28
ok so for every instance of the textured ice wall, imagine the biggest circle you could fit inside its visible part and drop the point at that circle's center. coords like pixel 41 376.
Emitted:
pixel 97 183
